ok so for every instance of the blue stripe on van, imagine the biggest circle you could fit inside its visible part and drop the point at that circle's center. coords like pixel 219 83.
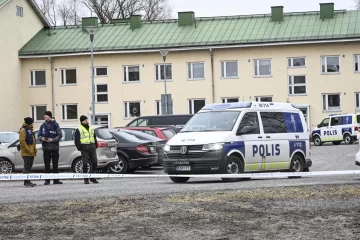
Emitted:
pixel 240 146
pixel 297 145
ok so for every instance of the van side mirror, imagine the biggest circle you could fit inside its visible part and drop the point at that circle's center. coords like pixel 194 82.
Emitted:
pixel 18 147
pixel 246 130
pixel 319 125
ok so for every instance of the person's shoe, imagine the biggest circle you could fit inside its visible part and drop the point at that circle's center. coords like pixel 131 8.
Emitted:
pixel 94 180
pixel 33 184
pixel 58 182
pixel 47 183
pixel 86 181
pixel 28 184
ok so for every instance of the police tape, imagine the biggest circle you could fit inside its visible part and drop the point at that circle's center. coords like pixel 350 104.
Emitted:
pixel 15 177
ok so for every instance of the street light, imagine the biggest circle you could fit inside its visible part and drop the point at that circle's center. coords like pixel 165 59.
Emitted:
pixel 164 53
pixel 91 30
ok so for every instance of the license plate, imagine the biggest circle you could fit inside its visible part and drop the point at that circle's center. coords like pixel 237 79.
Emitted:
pixel 183 168
pixel 152 149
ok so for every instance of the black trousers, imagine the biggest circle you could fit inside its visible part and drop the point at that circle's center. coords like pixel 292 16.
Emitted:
pixel 51 157
pixel 28 163
pixel 89 157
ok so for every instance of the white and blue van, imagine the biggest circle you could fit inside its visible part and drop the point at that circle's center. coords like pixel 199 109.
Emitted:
pixel 234 138
pixel 337 128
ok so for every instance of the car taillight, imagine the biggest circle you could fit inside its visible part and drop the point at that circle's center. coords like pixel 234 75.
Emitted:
pixel 102 144
pixel 143 149
pixel 356 128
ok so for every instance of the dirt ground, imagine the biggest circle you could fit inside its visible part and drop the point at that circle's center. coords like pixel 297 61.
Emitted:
pixel 310 212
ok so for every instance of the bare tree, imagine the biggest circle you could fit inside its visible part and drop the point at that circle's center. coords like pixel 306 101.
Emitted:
pixel 48 9
pixel 357 4
pixel 155 9
pixel 64 13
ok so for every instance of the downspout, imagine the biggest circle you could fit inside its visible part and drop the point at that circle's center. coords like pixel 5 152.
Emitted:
pixel 212 75
pixel 52 86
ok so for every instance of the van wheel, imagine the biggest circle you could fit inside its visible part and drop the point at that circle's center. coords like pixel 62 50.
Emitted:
pixel 179 179
pixel 5 166
pixel 337 142
pixel 317 141
pixel 234 166
pixel 121 167
pixel 348 139
pixel 297 164
pixel 77 166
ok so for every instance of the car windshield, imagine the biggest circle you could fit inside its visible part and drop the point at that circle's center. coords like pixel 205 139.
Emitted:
pixel 212 121
pixel 103 133
pixel 8 137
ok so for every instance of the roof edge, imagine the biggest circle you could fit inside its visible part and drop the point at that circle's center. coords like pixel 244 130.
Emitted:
pixel 39 13
pixel 4 4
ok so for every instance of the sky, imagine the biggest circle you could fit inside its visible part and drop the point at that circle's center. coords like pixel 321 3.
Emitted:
pixel 209 8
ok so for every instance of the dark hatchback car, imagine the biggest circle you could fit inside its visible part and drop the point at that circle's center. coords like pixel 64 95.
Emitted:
pixel 133 152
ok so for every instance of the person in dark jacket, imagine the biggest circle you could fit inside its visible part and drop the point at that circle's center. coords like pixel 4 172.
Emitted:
pixel 27 147
pixel 86 143
pixel 50 135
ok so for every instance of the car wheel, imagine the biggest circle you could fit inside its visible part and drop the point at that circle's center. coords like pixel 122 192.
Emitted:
pixel 337 143
pixel 234 166
pixel 6 166
pixel 179 179
pixel 297 164
pixel 348 139
pixel 317 141
pixel 121 167
pixel 78 166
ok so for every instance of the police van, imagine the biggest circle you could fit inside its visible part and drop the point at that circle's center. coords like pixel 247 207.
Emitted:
pixel 337 128
pixel 234 138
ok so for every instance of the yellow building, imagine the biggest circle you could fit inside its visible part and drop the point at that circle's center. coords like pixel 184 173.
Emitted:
pixel 309 59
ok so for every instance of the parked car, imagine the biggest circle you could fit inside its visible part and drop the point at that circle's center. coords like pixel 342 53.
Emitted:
pixel 8 137
pixel 70 157
pixel 162 133
pixel 133 152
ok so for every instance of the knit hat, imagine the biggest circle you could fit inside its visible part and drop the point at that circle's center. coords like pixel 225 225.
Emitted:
pixel 28 120
pixel 48 113
pixel 83 118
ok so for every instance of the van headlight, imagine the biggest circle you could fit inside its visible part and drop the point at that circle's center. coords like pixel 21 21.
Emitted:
pixel 213 146
pixel 167 148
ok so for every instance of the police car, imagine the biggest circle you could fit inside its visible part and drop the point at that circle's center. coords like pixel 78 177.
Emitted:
pixel 234 138
pixel 337 128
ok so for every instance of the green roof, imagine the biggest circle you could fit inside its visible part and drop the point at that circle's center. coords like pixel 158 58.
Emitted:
pixel 2 2
pixel 213 31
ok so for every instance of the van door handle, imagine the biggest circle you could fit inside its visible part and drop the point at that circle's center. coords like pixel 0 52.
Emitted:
pixel 259 136
pixel 267 136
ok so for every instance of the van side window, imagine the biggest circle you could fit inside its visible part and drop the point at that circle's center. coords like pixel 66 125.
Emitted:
pixel 273 122
pixel 325 123
pixel 293 122
pixel 160 121
pixel 358 118
pixel 335 121
pixel 250 119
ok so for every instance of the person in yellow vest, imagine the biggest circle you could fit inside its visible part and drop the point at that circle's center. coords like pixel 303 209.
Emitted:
pixel 86 143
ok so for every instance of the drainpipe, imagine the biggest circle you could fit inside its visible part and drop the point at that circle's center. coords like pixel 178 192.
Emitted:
pixel 52 86
pixel 212 75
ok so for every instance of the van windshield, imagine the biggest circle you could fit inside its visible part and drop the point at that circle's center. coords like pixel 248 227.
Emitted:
pixel 212 121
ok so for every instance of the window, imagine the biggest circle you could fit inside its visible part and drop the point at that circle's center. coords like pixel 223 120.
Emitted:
pixel 131 74
pixel 37 78
pixel 101 93
pixel 19 11
pixel 69 112
pixel 356 63
pixel 196 105
pixel 263 99
pixel 335 121
pixel 357 99
pixel 163 72
pixel 324 123
pixel 139 122
pixel 273 122
pixel 262 68
pixel 296 62
pixel 159 107
pixel 168 133
pixel 100 72
pixel 229 69
pixel 297 85
pixel 132 110
pixel 67 134
pixel 37 112
pixel 196 71
pixel 331 102
pixel 68 76
pixel 230 100
pixel 330 64
pixel 250 119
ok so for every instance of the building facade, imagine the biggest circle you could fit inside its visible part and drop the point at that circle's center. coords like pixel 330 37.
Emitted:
pixel 308 59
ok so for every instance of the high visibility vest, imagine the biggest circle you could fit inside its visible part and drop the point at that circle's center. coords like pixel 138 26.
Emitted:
pixel 86 137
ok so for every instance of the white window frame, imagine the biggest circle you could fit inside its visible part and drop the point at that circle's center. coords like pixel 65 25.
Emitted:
pixel 292 62
pixel 19 11
pixel 64 118
pixel 327 107
pixel 158 71
pixel 35 111
pixel 97 114
pixel 258 68
pixel 126 69
pixel 292 85
pixel 191 111
pixel 223 64
pixel 357 56
pixel 101 93
pixel 225 99
pixel 357 103
pixel 321 65
pixel 259 98
pixel 128 109
pixel 99 76
pixel 158 102
pixel 192 71
pixel 61 80
pixel 32 73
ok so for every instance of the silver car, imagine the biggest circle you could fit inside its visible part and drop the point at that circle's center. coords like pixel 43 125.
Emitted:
pixel 70 157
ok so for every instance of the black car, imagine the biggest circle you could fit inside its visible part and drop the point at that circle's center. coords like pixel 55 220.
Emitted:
pixel 159 143
pixel 133 152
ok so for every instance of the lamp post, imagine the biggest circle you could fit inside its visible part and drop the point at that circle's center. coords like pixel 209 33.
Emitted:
pixel 164 53
pixel 91 31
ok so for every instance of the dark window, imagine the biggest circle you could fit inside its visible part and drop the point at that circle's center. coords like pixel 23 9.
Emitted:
pixel 336 121
pixel 168 133
pixel 69 112
pixel 19 11
pixel 132 110
pixel 230 100
pixel 358 118
pixel 131 74
pixel 273 122
pixel 68 76
pixel 250 119
pixel 196 105
pixel 38 78
pixel 263 99
pixel 101 93
pixel 325 122
pixel 101 71
pixel 164 71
